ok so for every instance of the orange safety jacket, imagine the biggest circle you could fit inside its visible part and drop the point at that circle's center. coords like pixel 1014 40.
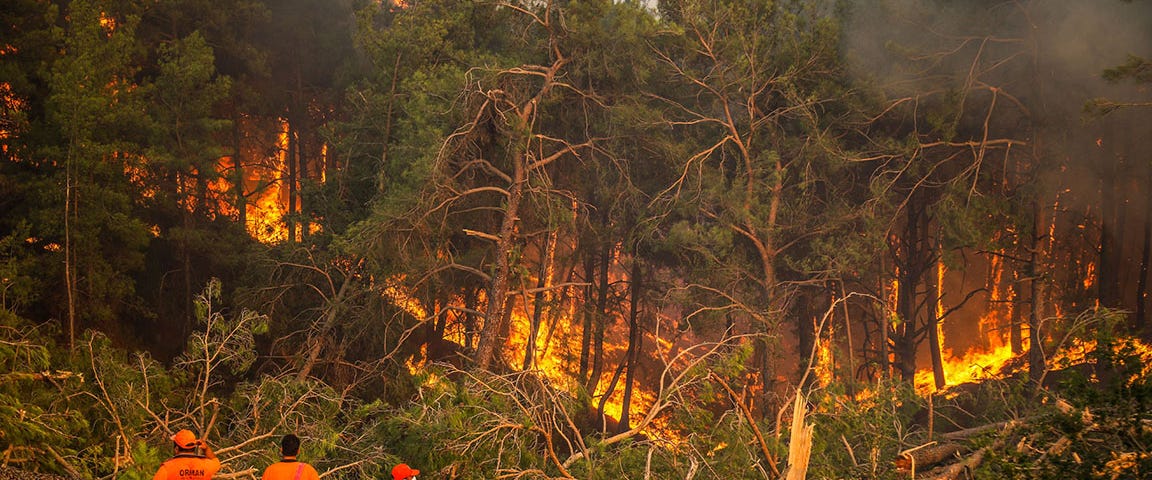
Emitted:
pixel 187 466
pixel 290 469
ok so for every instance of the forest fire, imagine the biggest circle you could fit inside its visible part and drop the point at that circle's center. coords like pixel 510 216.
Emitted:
pixel 262 161
pixel 987 356
pixel 533 266
pixel 970 367
pixel 266 210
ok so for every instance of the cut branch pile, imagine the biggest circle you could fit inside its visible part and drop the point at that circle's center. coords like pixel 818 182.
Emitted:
pixel 935 455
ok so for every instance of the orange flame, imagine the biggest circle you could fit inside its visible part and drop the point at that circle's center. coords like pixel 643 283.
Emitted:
pixel 988 360
pixel 107 23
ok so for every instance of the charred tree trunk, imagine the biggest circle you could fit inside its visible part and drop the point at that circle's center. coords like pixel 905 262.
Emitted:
pixel 238 174
pixel 289 220
pixel 912 263
pixel 635 342
pixel 538 300
pixel 934 294
pixel 586 318
pixel 600 319
pixel 439 322
pixel 904 345
pixel 1015 333
pixel 805 337
pixel 1108 279
pixel 627 361
pixel 471 303
pixel 302 161
pixel 1035 355
pixel 186 257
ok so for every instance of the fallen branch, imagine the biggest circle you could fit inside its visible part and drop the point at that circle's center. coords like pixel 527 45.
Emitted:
pixel 969 432
pixel 930 455
pixel 953 472
pixel 37 376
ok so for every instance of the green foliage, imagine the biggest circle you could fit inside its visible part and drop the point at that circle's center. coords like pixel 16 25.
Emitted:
pixel 34 418
pixel 857 437
pixel 225 342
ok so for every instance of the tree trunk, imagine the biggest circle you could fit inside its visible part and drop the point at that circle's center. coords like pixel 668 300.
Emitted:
pixel 586 318
pixel 69 260
pixel 470 304
pixel 885 336
pixel 1142 283
pixel 635 342
pixel 289 220
pixel 1016 336
pixel 805 338
pixel 538 300
pixel 912 263
pixel 1035 355
pixel 495 317
pixel 903 345
pixel 186 259
pixel 302 161
pixel 238 174
pixel 851 378
pixel 934 294
pixel 1108 277
pixel 600 319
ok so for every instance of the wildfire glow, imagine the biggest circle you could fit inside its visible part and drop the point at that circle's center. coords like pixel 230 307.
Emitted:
pixel 824 362
pixel 987 359
pixel 107 23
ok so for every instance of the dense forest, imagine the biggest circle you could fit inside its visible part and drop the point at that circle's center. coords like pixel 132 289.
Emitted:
pixel 582 239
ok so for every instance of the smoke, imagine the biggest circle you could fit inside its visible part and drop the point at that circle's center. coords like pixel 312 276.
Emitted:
pixel 1045 59
pixel 910 45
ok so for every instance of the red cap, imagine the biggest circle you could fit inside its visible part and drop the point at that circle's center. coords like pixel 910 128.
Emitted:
pixel 403 471
pixel 185 439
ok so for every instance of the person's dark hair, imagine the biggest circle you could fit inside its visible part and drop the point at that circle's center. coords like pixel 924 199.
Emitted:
pixel 290 445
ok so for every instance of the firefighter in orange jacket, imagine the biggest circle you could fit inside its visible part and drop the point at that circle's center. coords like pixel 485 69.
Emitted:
pixel 289 468
pixel 186 464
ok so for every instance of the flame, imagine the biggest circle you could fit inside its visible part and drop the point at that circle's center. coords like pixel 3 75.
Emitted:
pixel 10 103
pixel 558 341
pixel 940 270
pixel 268 203
pixel 404 300
pixel 973 366
pixel 987 360
pixel 107 23
pixel 824 361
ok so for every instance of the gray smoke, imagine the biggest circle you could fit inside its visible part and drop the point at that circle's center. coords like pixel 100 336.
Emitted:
pixel 907 46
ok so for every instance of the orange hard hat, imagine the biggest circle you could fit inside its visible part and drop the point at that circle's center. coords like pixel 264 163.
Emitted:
pixel 185 439
pixel 403 471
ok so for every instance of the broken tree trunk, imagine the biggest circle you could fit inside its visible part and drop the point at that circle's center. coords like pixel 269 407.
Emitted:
pixel 800 441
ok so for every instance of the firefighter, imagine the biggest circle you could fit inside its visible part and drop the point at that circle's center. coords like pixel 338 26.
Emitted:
pixel 404 472
pixel 289 468
pixel 186 464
